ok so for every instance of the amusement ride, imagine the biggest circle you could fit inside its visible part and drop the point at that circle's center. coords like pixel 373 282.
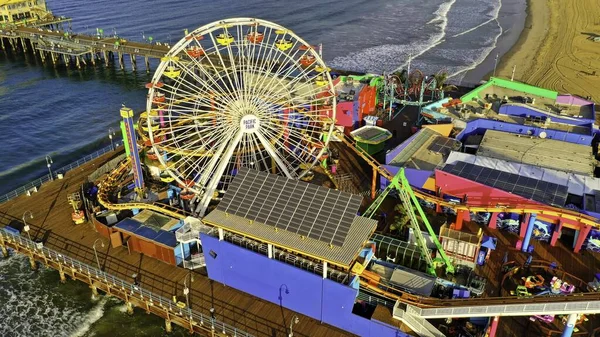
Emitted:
pixel 237 93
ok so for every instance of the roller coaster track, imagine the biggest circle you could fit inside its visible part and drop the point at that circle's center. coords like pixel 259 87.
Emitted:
pixel 111 181
pixel 420 302
pixel 534 209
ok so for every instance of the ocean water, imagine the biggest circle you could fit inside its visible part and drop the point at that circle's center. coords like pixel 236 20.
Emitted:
pixel 66 113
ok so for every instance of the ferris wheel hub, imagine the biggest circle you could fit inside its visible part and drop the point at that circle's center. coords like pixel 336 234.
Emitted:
pixel 249 123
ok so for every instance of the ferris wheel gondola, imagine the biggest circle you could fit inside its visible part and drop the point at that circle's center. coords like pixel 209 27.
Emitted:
pixel 251 99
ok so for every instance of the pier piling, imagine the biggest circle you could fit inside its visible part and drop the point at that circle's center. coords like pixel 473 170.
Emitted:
pixel 129 308
pixel 63 277
pixel 168 326
pixel 94 290
pixel 133 61
pixel 3 247
pixel 121 63
pixel 105 55
pixel 32 263
pixel 24 45
pixel 147 64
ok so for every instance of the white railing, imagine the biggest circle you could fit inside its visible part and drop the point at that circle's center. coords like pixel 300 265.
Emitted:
pixel 196 261
pixel 33 185
pixel 554 308
pixel 187 234
pixel 419 325
pixel 114 282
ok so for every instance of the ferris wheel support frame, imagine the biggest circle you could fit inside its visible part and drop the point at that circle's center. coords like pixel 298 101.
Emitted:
pixel 214 181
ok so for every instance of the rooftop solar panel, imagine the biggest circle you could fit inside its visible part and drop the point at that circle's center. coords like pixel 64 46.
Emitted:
pixel 530 188
pixel 443 145
pixel 295 206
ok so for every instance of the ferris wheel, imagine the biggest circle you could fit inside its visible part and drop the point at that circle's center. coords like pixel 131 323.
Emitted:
pixel 239 93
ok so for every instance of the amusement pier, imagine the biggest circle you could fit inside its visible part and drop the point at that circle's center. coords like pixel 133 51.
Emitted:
pixel 261 193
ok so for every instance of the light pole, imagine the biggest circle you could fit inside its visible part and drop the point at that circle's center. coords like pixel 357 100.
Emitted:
pixel 96 253
pixel 186 290
pixel 25 225
pixel 294 320
pixel 111 133
pixel 49 164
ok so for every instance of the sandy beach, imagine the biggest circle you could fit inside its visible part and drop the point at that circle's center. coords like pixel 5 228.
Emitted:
pixel 556 48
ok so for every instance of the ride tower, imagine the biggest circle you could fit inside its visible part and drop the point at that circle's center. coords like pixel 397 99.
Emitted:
pixel 131 144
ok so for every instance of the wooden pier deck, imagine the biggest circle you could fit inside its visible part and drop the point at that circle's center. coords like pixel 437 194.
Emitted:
pixel 583 266
pixel 52 224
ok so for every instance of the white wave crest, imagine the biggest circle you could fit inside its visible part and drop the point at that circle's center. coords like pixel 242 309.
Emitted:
pixel 92 317
pixel 484 54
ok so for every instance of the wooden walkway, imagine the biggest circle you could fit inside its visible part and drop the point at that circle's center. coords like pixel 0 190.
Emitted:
pixel 583 266
pixel 52 224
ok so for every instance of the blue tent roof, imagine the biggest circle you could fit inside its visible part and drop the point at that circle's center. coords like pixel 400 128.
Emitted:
pixel 137 228
pixel 129 225
pixel 489 242
pixel 166 238
pixel 146 232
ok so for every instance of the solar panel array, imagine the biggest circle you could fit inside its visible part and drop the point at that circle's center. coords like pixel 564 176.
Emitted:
pixel 530 188
pixel 443 145
pixel 305 209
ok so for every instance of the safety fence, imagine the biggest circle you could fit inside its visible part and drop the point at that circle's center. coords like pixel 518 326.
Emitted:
pixel 33 185
pixel 194 320
pixel 106 168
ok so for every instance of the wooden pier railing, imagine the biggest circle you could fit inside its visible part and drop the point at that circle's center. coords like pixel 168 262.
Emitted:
pixel 133 295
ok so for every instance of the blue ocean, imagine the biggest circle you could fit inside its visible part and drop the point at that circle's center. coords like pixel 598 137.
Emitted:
pixel 66 113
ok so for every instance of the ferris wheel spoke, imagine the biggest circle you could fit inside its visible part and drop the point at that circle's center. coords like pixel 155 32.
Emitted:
pixel 260 59
pixel 295 85
pixel 214 180
pixel 178 95
pixel 210 77
pixel 280 74
pixel 204 88
pixel 273 153
pixel 282 140
pixel 234 94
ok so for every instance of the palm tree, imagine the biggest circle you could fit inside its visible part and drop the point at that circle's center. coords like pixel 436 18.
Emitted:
pixel 440 83
pixel 400 220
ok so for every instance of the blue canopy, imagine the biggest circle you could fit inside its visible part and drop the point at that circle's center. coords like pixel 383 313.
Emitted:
pixel 129 225
pixel 489 242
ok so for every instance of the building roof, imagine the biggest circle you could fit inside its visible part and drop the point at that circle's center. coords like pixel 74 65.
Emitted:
pixel 425 151
pixel 292 214
pixel 413 281
pixel 371 134
pixel 155 220
pixel 360 231
pixel 305 209
pixel 577 184
pixel 546 153
pixel 137 228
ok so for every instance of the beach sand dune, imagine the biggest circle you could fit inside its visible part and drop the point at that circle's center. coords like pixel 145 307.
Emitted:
pixel 556 49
